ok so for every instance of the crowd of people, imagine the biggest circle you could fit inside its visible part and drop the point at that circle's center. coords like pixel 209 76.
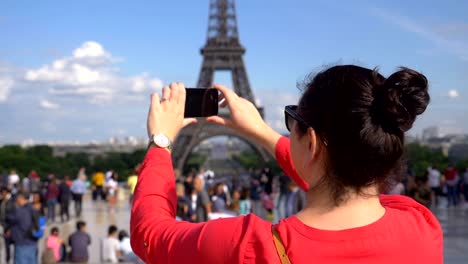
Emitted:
pixel 29 204
pixel 201 197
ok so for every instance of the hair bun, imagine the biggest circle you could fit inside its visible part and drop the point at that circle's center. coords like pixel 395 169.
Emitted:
pixel 401 97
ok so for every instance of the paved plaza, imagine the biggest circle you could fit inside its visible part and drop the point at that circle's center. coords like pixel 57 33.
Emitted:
pixel 454 222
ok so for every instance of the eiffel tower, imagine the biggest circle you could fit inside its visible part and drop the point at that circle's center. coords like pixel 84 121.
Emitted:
pixel 222 51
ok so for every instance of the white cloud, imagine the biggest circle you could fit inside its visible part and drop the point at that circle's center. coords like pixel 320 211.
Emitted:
pixel 5 86
pixel 90 73
pixel 453 94
pixel 143 83
pixel 90 49
pixel 48 104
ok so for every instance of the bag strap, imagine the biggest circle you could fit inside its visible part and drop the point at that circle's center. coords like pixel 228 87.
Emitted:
pixel 280 247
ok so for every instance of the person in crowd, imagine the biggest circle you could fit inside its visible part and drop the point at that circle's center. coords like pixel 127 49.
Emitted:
pixel 26 183
pixel 64 198
pixel 112 186
pixel 38 203
pixel 266 180
pixel 98 181
pixel 13 182
pixel 268 204
pixel 35 182
pixel 111 251
pixel 78 190
pixel 296 200
pixel 184 210
pixel 397 187
pixel 109 174
pixel 132 182
pixel 52 195
pixel 219 198
pixel 7 205
pixel 256 198
pixel 188 184
pixel 423 194
pixel 54 243
pixel 201 200
pixel 3 178
pixel 347 140
pixel 82 174
pixel 79 242
pixel 126 248
pixel 283 182
pixel 465 184
pixel 434 183
pixel 234 205
pixel 245 205
pixel 21 221
pixel 451 180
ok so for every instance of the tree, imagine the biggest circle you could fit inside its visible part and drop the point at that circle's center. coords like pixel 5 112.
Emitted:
pixel 421 157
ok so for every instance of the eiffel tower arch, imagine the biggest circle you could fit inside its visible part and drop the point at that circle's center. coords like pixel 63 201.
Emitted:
pixel 222 51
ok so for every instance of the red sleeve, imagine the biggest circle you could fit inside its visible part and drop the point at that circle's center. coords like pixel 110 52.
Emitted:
pixel 156 236
pixel 283 157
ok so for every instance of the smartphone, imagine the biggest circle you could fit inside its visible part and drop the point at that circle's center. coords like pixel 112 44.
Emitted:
pixel 201 102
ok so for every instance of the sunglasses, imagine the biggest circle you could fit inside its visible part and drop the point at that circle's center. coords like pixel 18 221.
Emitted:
pixel 290 116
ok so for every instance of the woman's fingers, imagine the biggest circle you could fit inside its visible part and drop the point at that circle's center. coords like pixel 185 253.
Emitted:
pixel 175 93
pixel 182 94
pixel 166 93
pixel 219 120
pixel 155 102
pixel 227 94
pixel 188 121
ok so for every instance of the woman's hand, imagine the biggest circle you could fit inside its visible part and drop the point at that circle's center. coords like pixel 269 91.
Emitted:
pixel 245 119
pixel 166 115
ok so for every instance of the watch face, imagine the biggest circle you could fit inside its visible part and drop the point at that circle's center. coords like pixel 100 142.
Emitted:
pixel 161 141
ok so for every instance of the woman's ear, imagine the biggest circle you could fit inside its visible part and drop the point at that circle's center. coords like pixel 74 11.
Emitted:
pixel 312 150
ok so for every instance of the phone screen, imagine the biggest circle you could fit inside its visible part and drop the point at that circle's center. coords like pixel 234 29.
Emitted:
pixel 201 102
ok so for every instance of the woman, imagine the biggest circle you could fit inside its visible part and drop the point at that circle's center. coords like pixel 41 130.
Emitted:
pixel 52 195
pixel 347 138
pixel 112 187
pixel 53 245
pixel 125 247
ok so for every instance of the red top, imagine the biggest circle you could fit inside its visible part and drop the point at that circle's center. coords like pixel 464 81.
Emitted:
pixel 450 174
pixel 407 233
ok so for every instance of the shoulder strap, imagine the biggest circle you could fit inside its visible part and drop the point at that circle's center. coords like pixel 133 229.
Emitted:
pixel 280 246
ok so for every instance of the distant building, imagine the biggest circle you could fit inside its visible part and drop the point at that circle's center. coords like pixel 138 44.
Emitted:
pixel 430 132
pixel 127 145
pixel 453 146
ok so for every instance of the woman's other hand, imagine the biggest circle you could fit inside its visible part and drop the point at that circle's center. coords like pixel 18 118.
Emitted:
pixel 245 119
pixel 166 114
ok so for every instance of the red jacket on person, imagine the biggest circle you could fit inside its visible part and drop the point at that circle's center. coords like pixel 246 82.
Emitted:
pixel 407 233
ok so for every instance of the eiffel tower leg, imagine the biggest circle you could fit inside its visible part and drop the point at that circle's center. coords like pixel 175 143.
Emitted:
pixel 205 79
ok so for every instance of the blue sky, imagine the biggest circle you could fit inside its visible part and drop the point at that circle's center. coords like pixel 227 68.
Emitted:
pixel 83 70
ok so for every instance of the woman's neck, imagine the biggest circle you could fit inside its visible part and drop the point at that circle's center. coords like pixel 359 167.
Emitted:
pixel 357 210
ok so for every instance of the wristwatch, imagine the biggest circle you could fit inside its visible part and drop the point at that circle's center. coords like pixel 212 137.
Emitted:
pixel 160 140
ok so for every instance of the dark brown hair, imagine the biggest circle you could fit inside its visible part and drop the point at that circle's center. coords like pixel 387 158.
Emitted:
pixel 362 116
